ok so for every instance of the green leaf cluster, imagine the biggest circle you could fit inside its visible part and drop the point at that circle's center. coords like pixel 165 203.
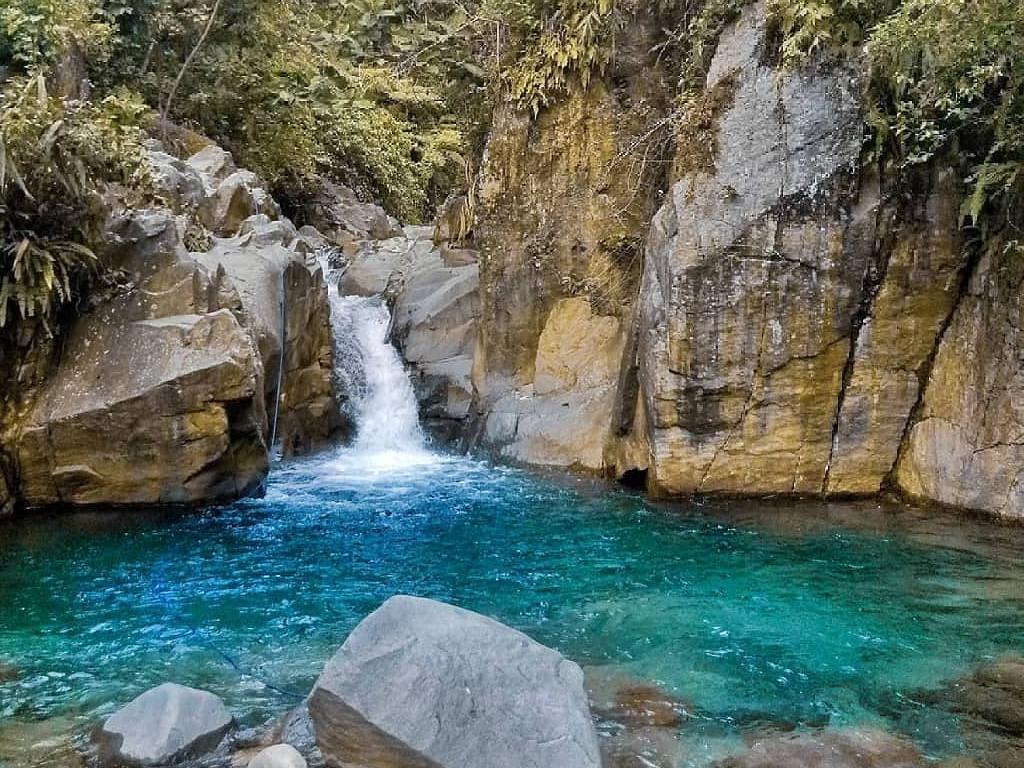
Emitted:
pixel 379 94
pixel 36 32
pixel 948 76
pixel 805 27
pixel 945 80
pixel 553 46
pixel 57 158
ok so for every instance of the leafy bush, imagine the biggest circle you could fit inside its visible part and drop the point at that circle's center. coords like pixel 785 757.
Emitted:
pixel 950 73
pixel 946 77
pixel 809 26
pixel 34 32
pixel 56 159
pixel 363 91
pixel 565 42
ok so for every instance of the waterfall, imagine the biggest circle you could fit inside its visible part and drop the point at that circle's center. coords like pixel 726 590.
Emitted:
pixel 378 394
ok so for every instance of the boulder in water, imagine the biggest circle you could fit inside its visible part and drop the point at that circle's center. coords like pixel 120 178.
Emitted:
pixel 166 724
pixel 8 672
pixel 849 748
pixel 995 694
pixel 279 756
pixel 421 684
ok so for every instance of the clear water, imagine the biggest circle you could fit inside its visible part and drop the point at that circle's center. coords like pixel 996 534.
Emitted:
pixel 807 613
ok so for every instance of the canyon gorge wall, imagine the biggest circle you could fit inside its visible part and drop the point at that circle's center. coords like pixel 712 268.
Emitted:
pixel 718 297
pixel 801 325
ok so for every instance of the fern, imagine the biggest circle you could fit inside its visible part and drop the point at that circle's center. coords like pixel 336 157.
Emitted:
pixel 56 158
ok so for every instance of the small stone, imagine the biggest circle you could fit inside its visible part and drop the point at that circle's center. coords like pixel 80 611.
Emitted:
pixel 9 673
pixel 164 725
pixel 279 756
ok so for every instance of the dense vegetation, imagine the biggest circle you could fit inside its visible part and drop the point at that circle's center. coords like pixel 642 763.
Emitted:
pixel 946 80
pixel 393 96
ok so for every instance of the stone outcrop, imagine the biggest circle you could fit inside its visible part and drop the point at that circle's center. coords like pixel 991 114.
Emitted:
pixel 436 319
pixel 426 685
pixel 563 204
pixel 338 214
pixel 164 725
pixel 435 301
pixel 850 748
pixel 755 271
pixel 790 305
pixel 562 418
pixel 803 325
pixel 167 392
pixel 966 447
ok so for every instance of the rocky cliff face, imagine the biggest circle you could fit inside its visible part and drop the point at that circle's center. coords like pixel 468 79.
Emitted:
pixel 966 446
pixel 788 303
pixel 564 202
pixel 801 326
pixel 167 392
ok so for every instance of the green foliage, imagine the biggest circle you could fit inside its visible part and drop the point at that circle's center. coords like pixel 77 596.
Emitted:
pixel 56 159
pixel 567 41
pixel 366 91
pixel 809 26
pixel 950 73
pixel 946 80
pixel 34 32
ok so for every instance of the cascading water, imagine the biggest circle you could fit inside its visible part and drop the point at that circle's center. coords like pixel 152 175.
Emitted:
pixel 374 384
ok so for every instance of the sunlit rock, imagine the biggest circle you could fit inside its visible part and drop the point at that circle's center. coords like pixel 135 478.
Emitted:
pixel 279 756
pixel 166 724
pixel 421 684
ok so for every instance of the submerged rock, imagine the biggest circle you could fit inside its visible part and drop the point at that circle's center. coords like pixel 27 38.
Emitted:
pixel 421 684
pixel 995 693
pixel 616 696
pixel 166 724
pixel 8 672
pixel 640 722
pixel 278 756
pixel 852 748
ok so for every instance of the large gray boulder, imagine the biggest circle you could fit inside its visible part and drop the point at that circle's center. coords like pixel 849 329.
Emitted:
pixel 422 684
pixel 164 725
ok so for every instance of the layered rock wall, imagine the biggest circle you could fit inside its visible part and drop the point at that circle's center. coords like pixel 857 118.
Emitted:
pixel 564 202
pixel 804 324
pixel 172 388
pixel 966 446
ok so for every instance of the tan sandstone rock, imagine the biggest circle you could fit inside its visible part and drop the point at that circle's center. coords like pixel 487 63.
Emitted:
pixel 967 445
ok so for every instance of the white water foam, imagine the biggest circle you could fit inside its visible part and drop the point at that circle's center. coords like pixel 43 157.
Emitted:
pixel 380 397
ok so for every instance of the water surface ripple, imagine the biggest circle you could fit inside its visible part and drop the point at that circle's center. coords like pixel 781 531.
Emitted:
pixel 803 613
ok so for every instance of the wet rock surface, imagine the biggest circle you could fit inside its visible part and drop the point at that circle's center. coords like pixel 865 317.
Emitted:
pixel 435 299
pixel 850 748
pixel 639 722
